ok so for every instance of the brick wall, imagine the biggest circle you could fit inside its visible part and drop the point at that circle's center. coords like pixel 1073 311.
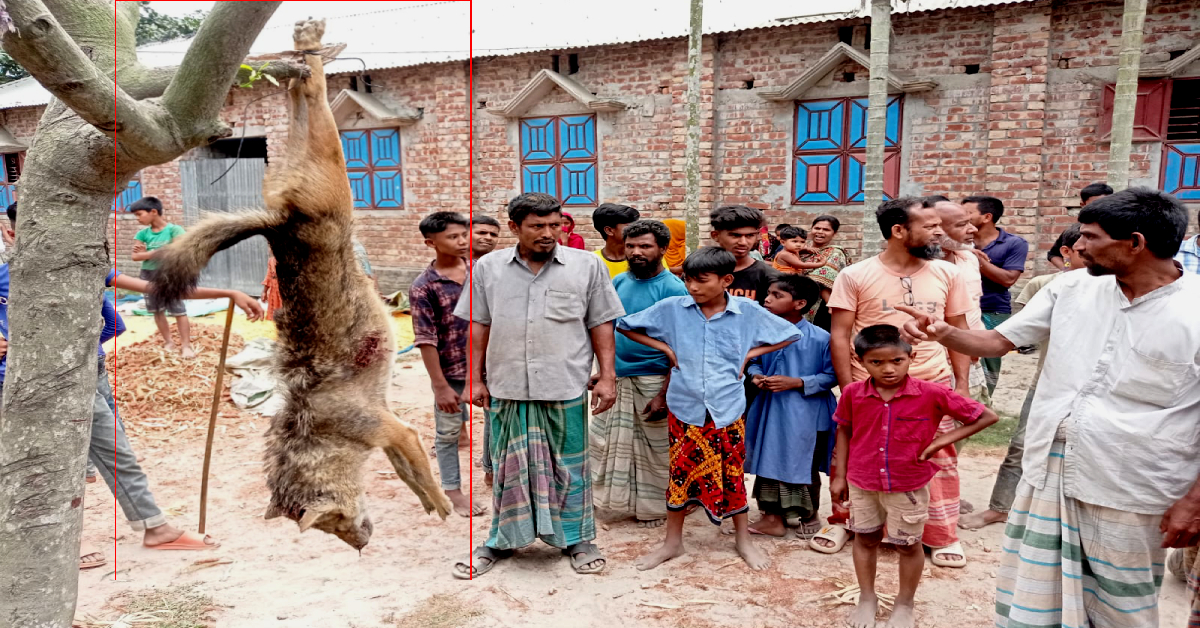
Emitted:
pixel 1015 114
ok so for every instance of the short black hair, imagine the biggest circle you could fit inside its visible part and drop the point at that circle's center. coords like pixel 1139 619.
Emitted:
pixel 879 337
pixel 12 211
pixel 147 203
pixel 895 212
pixel 800 287
pixel 834 223
pixel 536 203
pixel 1158 216
pixel 934 199
pixel 609 215
pixel 709 260
pixel 1094 190
pixel 987 205
pixel 731 217
pixel 483 219
pixel 779 227
pixel 789 232
pixel 438 221
pixel 1067 238
pixel 662 235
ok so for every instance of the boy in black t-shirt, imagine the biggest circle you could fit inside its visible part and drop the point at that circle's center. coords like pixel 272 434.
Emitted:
pixel 735 228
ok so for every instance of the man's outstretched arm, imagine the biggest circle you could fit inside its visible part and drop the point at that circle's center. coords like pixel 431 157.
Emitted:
pixel 982 344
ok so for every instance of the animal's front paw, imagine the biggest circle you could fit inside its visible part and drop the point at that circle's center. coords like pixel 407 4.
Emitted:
pixel 308 34
pixel 442 505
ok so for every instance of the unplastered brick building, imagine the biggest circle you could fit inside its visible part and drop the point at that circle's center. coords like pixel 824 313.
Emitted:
pixel 1011 99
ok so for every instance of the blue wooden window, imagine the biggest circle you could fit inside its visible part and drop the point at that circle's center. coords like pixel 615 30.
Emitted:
pixel 131 193
pixel 558 157
pixel 1181 150
pixel 829 153
pixel 13 165
pixel 373 167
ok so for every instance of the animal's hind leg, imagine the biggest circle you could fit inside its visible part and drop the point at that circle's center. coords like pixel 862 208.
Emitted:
pixel 402 445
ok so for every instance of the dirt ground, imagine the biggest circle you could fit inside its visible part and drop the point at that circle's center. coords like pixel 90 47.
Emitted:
pixel 267 574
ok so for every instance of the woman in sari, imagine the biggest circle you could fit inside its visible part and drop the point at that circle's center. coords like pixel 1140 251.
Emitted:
pixel 677 250
pixel 824 230
pixel 569 238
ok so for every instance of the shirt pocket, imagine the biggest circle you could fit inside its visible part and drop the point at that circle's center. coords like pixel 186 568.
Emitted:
pixel 912 429
pixel 1154 380
pixel 563 307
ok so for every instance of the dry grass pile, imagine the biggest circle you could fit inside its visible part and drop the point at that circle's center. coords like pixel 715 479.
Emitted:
pixel 160 395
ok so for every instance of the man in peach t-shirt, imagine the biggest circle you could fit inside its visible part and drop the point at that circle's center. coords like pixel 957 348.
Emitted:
pixel 907 273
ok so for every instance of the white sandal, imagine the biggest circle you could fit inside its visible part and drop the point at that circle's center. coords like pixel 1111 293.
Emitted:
pixel 955 548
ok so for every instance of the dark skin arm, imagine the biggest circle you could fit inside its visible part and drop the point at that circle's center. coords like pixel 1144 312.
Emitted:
pixel 839 489
pixel 245 302
pixel 985 420
pixel 994 273
pixel 443 395
pixel 981 344
pixel 1181 523
pixel 842 325
pixel 478 395
pixel 794 261
pixel 604 393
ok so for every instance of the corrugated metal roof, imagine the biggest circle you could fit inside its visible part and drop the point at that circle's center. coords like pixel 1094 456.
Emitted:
pixel 408 34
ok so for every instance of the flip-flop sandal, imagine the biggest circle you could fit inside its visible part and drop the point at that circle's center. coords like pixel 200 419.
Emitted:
pixel 583 553
pixel 462 571
pixel 953 548
pixel 188 541
pixel 84 565
pixel 808 529
pixel 834 534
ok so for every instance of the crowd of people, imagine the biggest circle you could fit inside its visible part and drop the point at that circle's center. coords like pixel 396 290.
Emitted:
pixel 643 380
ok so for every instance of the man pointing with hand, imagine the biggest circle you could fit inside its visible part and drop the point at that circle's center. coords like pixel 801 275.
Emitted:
pixel 1112 448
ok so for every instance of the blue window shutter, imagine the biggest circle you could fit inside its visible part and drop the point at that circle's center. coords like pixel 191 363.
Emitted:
pixel 818 178
pixel 579 183
pixel 577 137
pixel 387 188
pixel 354 145
pixel 360 189
pixel 8 194
pixel 540 178
pixel 385 149
pixel 858 123
pixel 1181 171
pixel 537 139
pixel 820 125
pixel 131 193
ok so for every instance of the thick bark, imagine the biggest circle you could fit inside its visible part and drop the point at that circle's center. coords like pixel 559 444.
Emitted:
pixel 881 30
pixel 691 159
pixel 61 258
pixel 1125 100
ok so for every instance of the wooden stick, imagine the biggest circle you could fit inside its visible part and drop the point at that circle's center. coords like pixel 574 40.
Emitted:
pixel 212 418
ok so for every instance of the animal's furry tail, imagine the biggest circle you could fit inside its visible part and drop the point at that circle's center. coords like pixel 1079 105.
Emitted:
pixel 180 263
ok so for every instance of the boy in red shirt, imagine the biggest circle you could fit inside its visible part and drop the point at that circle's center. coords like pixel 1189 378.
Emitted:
pixel 887 431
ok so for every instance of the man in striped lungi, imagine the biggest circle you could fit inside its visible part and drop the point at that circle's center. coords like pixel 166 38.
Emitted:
pixel 1112 447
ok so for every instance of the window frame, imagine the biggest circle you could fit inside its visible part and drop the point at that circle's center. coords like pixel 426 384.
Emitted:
pixel 8 189
pixel 370 169
pixel 845 153
pixel 126 197
pixel 1177 156
pixel 558 162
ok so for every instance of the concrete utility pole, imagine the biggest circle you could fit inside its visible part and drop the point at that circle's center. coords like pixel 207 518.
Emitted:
pixel 881 32
pixel 1125 100
pixel 691 160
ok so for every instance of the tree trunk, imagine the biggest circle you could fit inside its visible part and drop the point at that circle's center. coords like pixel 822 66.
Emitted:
pixel 881 30
pixel 1125 100
pixel 62 256
pixel 691 159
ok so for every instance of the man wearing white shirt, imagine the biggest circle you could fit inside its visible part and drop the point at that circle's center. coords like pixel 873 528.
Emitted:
pixel 1112 448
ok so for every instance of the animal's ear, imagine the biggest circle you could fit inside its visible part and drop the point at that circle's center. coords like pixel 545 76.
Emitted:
pixel 312 514
pixel 273 511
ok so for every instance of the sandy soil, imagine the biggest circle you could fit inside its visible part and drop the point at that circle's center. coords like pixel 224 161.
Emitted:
pixel 277 577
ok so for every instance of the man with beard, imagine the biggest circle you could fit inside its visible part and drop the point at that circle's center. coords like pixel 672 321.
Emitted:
pixel 629 443
pixel 539 312
pixel 1112 453
pixel 908 274
pixel 958 248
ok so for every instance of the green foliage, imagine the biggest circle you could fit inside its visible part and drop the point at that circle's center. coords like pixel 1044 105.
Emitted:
pixel 152 27
pixel 254 74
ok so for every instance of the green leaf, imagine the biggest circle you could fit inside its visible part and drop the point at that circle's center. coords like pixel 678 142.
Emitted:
pixel 272 79
pixel 246 67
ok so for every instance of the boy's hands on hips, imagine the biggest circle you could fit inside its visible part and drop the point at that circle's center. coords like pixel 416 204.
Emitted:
pixel 937 445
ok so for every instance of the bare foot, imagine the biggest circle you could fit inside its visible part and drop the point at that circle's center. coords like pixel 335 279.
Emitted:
pixel 755 558
pixel 464 439
pixel 659 556
pixel 169 347
pixel 651 523
pixel 965 507
pixel 983 519
pixel 769 525
pixel 463 505
pixel 167 534
pixel 902 617
pixel 187 353
pixel 863 615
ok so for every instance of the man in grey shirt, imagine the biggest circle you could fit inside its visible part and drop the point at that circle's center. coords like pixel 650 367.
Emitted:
pixel 539 312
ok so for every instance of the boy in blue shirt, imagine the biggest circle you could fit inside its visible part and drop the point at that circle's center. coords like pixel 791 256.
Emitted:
pixel 708 338
pixel 789 424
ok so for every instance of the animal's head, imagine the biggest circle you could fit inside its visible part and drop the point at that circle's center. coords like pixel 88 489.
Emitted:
pixel 347 521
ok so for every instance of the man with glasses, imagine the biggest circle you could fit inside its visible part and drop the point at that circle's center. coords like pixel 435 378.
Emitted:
pixel 909 273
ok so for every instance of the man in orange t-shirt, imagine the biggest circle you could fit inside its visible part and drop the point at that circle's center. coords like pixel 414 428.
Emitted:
pixel 908 273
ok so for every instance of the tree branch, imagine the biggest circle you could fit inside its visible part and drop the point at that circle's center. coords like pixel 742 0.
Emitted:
pixel 197 92
pixel 152 82
pixel 39 43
